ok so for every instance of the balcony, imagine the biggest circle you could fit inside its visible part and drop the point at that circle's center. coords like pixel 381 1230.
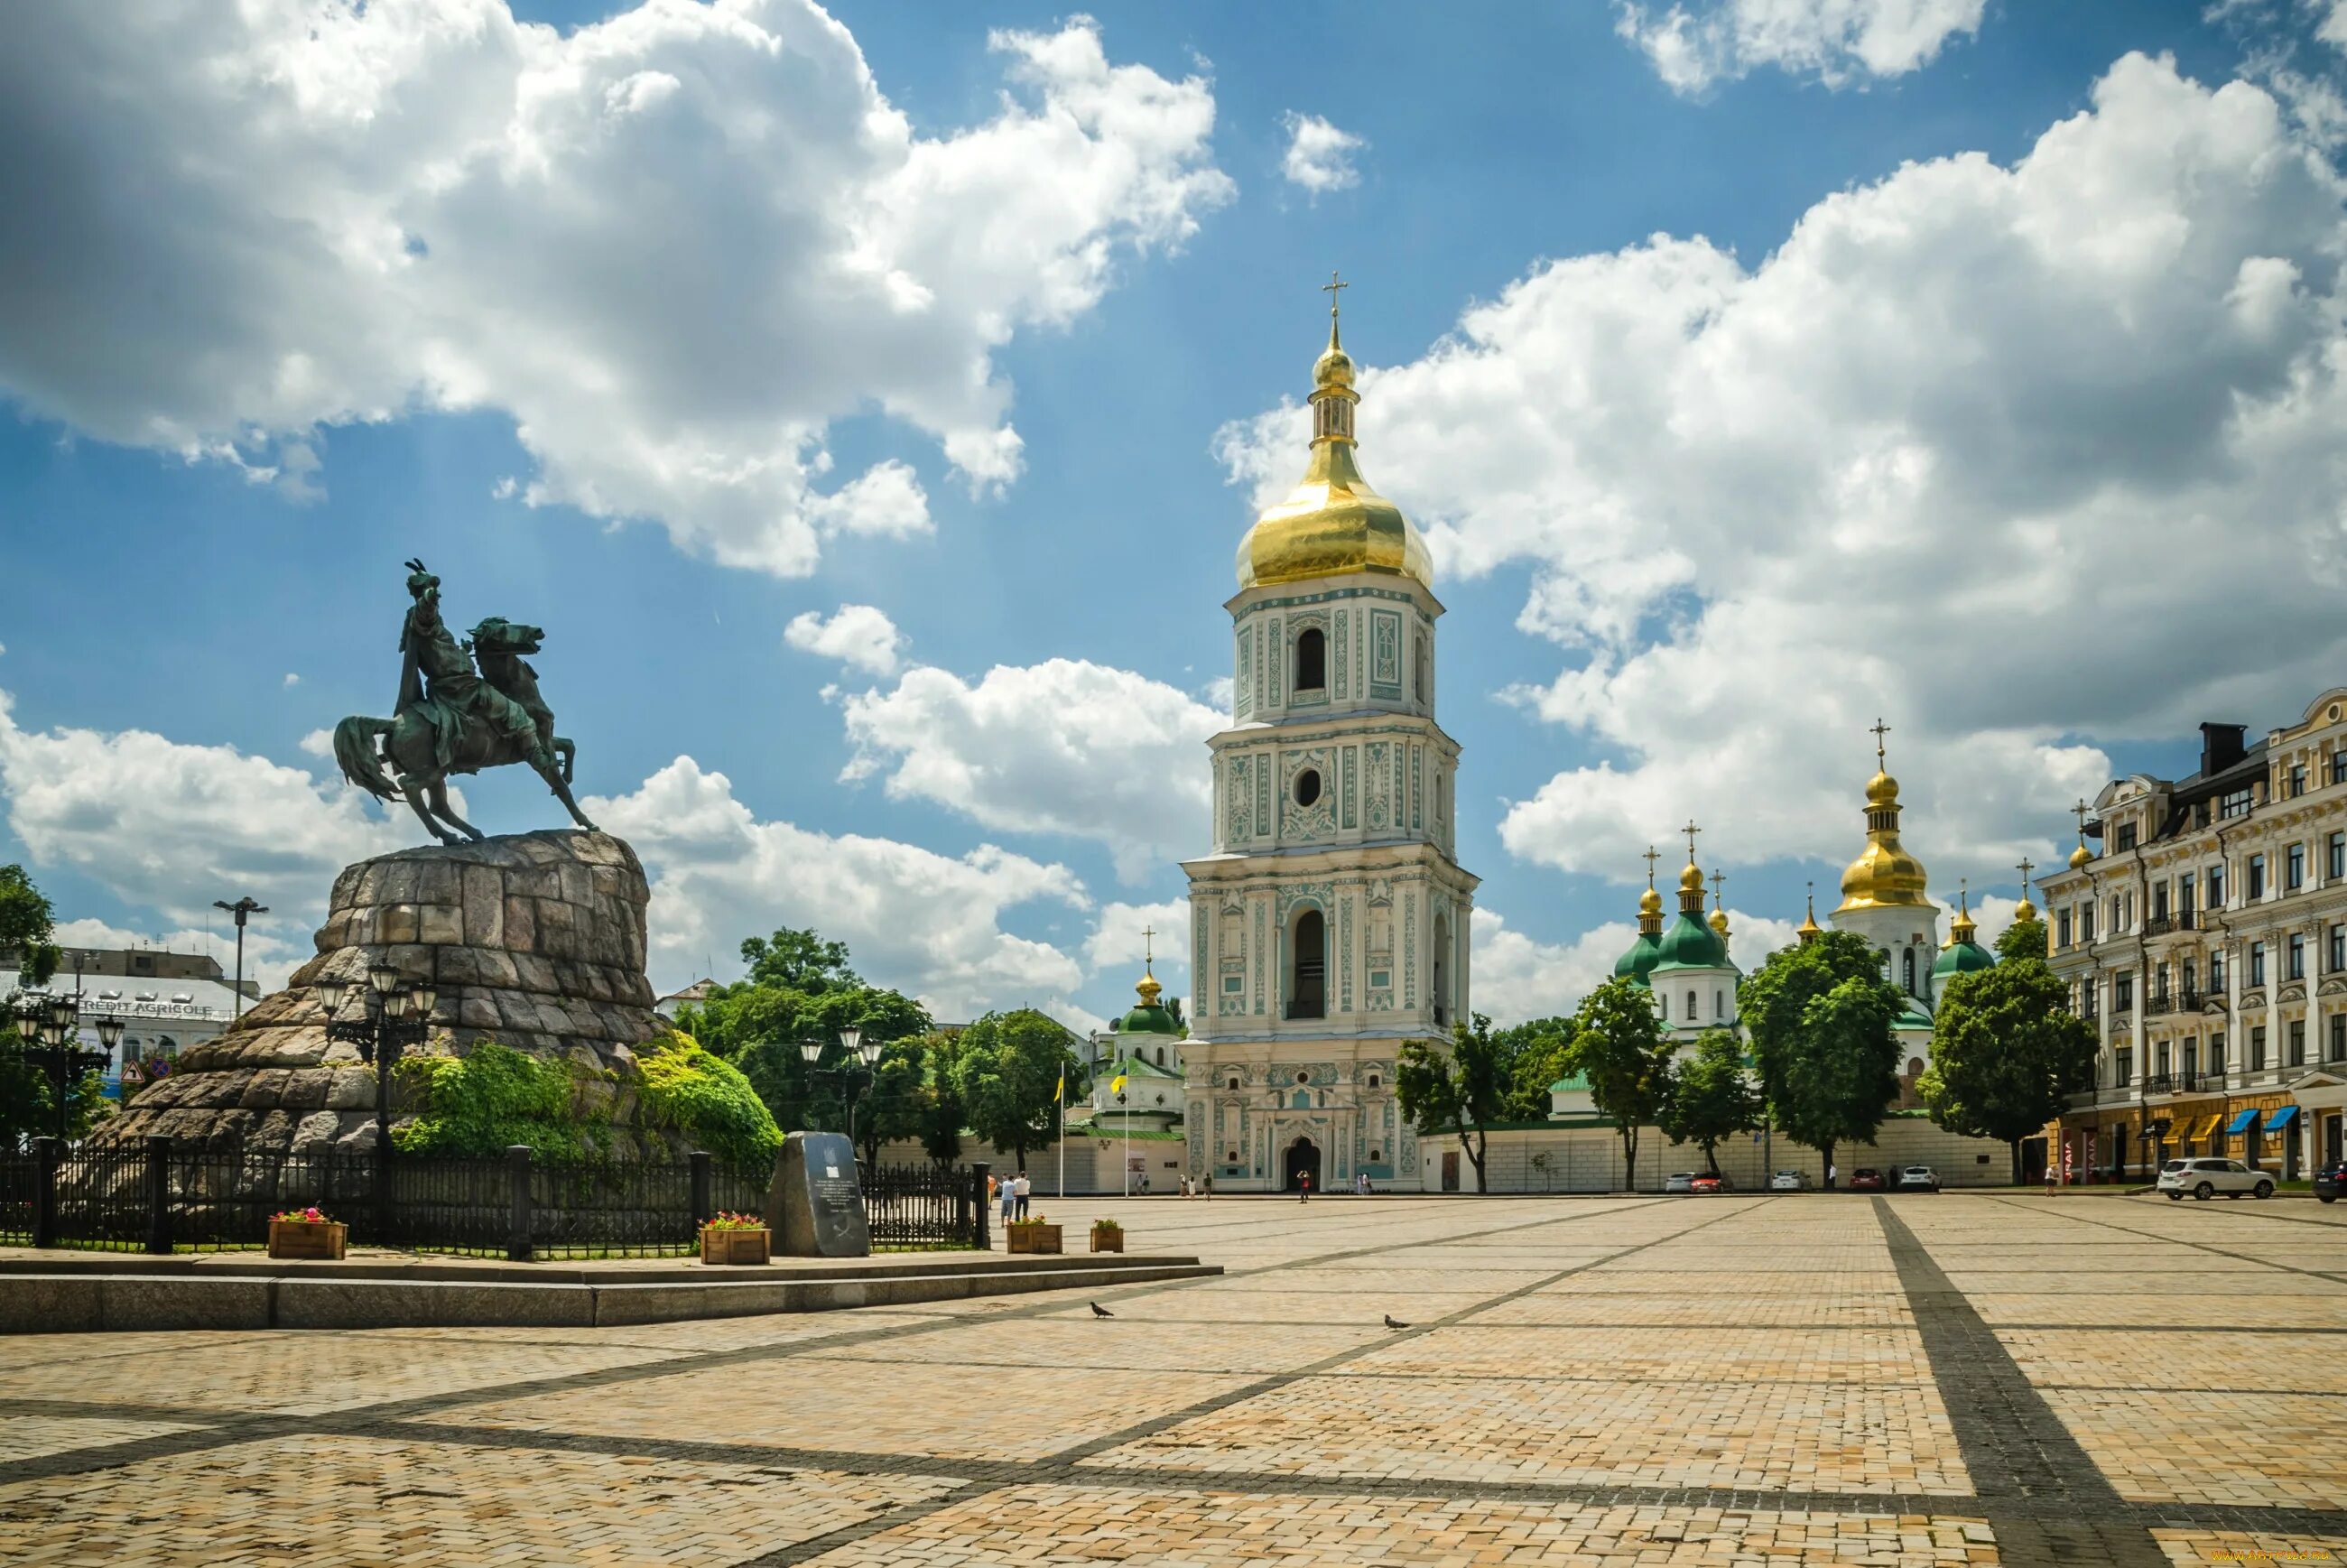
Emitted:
pixel 2170 923
pixel 2158 1005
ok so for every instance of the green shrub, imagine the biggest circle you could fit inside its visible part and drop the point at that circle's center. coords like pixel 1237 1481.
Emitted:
pixel 479 1104
pixel 709 1100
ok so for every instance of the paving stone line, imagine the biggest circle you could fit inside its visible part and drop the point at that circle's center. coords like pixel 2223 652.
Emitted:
pixel 2044 1497
pixel 2202 1245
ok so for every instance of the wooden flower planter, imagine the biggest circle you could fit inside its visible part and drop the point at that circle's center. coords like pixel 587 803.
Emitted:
pixel 737 1247
pixel 1107 1239
pixel 298 1238
pixel 1034 1237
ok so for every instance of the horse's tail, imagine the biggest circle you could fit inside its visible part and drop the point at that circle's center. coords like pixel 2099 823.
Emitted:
pixel 354 749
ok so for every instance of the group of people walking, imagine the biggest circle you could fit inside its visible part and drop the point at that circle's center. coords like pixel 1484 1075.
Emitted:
pixel 1012 1192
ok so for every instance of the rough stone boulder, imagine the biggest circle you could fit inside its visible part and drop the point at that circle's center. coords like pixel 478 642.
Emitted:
pixel 534 940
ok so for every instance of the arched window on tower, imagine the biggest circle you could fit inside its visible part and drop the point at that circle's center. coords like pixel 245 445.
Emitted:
pixel 1312 662
pixel 1425 687
pixel 1307 945
pixel 1690 1012
pixel 1907 970
pixel 1442 969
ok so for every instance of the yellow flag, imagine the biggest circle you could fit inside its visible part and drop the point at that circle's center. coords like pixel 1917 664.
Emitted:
pixel 1063 1086
pixel 1116 1084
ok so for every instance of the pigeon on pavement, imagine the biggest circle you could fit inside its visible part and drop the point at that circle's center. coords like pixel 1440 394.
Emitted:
pixel 1100 1311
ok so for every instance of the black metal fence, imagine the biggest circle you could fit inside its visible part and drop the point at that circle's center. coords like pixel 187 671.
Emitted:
pixel 156 1197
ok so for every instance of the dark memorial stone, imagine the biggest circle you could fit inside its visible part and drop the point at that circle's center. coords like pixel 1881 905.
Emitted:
pixel 814 1205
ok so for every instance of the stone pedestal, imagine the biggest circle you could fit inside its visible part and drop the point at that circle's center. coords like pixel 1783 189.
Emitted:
pixel 535 941
pixel 814 1205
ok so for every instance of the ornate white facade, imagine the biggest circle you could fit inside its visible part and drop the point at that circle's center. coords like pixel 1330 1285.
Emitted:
pixel 1329 926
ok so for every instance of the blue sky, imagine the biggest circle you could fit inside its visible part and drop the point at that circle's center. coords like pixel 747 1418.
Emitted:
pixel 1972 376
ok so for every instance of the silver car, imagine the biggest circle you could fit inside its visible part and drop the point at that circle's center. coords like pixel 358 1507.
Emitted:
pixel 1789 1182
pixel 1682 1182
pixel 2204 1179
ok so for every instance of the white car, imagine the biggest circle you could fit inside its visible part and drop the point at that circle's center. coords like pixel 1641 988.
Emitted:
pixel 1914 1179
pixel 1789 1182
pixel 2204 1179
pixel 1681 1182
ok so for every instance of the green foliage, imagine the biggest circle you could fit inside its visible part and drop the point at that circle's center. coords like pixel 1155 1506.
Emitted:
pixel 2023 939
pixel 1620 1049
pixel 1711 1097
pixel 943 1115
pixel 709 1100
pixel 1819 1015
pixel 26 923
pixel 1458 1092
pixel 1536 1053
pixel 2004 1050
pixel 1007 1073
pixel 796 960
pixel 480 1104
pixel 895 1104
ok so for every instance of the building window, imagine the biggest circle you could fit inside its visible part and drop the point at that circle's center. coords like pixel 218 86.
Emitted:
pixel 2159 1059
pixel 2338 949
pixel 2086 922
pixel 2062 928
pixel 2338 763
pixel 2216 886
pixel 2294 869
pixel 1307 995
pixel 2217 970
pixel 2258 1049
pixel 2126 839
pixel 1233 1084
pixel 1663 1005
pixel 1720 1004
pixel 2184 893
pixel 2234 805
pixel 2257 963
pixel 2123 1062
pixel 2257 878
pixel 1312 662
pixel 1373 1084
pixel 2339 1037
pixel 2217 1054
pixel 2122 990
pixel 1308 786
pixel 2297 970
pixel 1690 1011
pixel 2335 856
pixel 2298 1042
pixel 2298 779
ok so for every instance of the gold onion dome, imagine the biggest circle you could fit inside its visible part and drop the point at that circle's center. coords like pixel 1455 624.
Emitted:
pixel 1809 929
pixel 2080 856
pixel 1650 902
pixel 1720 921
pixel 1691 879
pixel 1332 523
pixel 1884 874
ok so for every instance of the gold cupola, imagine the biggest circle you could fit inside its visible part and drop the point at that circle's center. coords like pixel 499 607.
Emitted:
pixel 1332 523
pixel 1884 874
pixel 1811 930
pixel 2024 910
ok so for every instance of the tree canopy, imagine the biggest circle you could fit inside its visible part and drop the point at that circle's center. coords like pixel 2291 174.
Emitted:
pixel 27 1098
pixel 1535 1053
pixel 1819 1015
pixel 1711 1097
pixel 2005 1051
pixel 1458 1092
pixel 1008 1069
pixel 2023 939
pixel 1620 1049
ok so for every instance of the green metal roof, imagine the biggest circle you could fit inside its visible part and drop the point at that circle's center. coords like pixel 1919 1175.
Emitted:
pixel 1689 944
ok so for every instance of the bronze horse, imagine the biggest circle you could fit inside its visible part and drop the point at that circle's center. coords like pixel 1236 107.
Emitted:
pixel 412 743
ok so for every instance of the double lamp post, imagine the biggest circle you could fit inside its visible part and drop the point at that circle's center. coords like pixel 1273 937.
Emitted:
pixel 396 1016
pixel 47 1024
pixel 858 1048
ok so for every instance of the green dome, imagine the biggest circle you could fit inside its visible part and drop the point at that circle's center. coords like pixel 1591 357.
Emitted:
pixel 1961 958
pixel 1148 1018
pixel 1690 944
pixel 1635 965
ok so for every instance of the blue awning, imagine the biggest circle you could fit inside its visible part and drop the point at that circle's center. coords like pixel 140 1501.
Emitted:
pixel 2240 1123
pixel 2282 1118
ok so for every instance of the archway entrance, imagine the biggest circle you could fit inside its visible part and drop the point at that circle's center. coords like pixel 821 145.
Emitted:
pixel 1303 1156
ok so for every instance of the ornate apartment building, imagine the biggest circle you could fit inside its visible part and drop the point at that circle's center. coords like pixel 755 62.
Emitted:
pixel 2206 938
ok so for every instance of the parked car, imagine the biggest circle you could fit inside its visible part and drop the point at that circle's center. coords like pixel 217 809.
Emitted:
pixel 2330 1181
pixel 1711 1184
pixel 2204 1179
pixel 1866 1179
pixel 1789 1182
pixel 1916 1179
pixel 1680 1182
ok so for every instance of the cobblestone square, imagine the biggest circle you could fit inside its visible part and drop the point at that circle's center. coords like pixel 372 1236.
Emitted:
pixel 1810 1379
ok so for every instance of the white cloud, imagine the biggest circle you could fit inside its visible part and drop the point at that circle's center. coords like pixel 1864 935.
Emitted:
pixel 1518 976
pixel 857 635
pixel 1320 156
pixel 1693 46
pixel 292 680
pixel 673 246
pixel 1117 940
pixel 319 744
pixel 171 827
pixel 1065 747
pixel 927 923
pixel 2027 459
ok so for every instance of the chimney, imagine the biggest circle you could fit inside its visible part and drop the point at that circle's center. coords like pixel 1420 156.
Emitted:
pixel 2220 747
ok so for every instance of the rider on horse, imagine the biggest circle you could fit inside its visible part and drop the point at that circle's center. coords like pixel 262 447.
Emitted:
pixel 438 675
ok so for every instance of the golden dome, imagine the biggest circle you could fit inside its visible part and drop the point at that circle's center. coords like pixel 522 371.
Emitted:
pixel 2024 910
pixel 1883 790
pixel 1962 928
pixel 1884 874
pixel 1720 921
pixel 1332 522
pixel 1650 902
pixel 1148 988
pixel 1809 929
pixel 1691 879
pixel 2080 856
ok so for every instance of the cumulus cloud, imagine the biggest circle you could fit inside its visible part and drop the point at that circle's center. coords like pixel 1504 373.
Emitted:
pixel 1066 746
pixel 858 635
pixel 1117 940
pixel 1837 41
pixel 1320 156
pixel 929 924
pixel 673 246
pixel 2026 459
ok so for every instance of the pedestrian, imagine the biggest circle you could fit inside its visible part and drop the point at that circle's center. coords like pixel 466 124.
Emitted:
pixel 1210 1186
pixel 1023 1189
pixel 1009 1200
pixel 1832 1171
pixel 1362 1184
pixel 1303 1186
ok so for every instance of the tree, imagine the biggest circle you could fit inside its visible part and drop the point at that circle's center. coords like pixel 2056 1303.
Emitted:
pixel 1535 1052
pixel 943 1115
pixel 895 1106
pixel 1619 1048
pixel 26 924
pixel 2023 939
pixel 796 960
pixel 2005 1051
pixel 27 1098
pixel 1711 1097
pixel 1819 1015
pixel 1458 1092
pixel 1008 1074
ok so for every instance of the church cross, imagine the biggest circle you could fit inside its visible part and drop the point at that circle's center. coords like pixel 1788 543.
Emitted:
pixel 1148 952
pixel 1879 730
pixel 1652 856
pixel 1717 878
pixel 2026 868
pixel 2079 811
pixel 1690 830
pixel 1330 289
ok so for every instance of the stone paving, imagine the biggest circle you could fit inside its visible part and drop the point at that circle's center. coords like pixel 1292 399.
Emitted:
pixel 1958 1379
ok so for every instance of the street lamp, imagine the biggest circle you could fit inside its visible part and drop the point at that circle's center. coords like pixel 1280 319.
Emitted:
pixel 852 1078
pixel 241 909
pixel 51 1021
pixel 396 1016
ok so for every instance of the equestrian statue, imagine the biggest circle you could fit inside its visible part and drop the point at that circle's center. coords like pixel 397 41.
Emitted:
pixel 451 718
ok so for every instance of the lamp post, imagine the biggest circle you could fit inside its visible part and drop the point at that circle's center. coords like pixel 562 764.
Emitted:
pixel 241 909
pixel 52 1022
pixel 848 1075
pixel 396 1016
